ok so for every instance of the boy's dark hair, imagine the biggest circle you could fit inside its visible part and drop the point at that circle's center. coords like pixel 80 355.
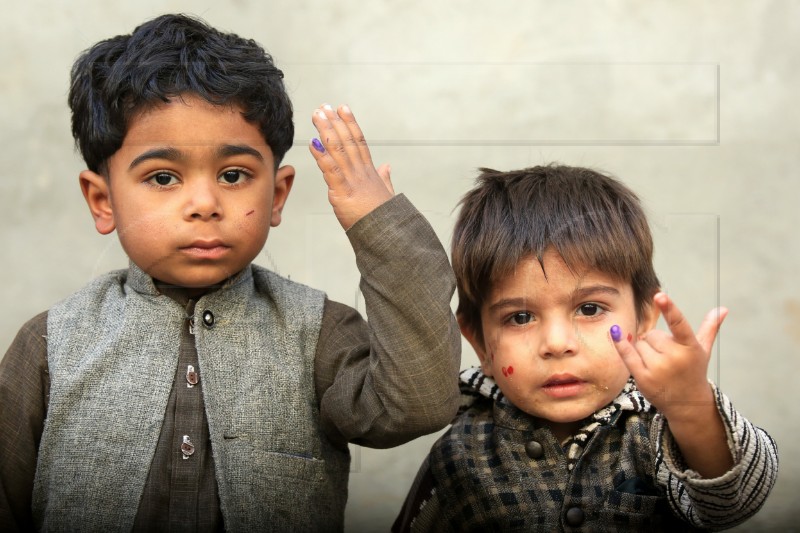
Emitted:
pixel 162 59
pixel 590 219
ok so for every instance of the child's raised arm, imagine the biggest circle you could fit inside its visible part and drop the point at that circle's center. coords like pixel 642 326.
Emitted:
pixel 394 377
pixel 670 370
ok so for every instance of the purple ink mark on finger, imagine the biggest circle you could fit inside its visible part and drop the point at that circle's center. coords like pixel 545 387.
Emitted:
pixel 616 333
pixel 317 145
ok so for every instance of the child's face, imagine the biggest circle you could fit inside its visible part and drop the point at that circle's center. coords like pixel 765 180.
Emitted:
pixel 547 341
pixel 192 192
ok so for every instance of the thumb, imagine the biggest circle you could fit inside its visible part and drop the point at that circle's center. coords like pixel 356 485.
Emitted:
pixel 707 332
pixel 385 172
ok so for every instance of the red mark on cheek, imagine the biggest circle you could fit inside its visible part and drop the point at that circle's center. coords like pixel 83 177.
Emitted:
pixel 508 371
pixel 630 337
pixel 250 213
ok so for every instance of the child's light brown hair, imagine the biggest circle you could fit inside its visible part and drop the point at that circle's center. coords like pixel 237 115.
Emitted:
pixel 592 220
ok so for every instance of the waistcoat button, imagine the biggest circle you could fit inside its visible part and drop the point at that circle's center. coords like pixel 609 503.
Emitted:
pixel 191 376
pixel 187 448
pixel 208 318
pixel 575 516
pixel 534 450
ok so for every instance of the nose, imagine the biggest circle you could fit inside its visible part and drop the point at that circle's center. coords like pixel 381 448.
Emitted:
pixel 559 338
pixel 202 200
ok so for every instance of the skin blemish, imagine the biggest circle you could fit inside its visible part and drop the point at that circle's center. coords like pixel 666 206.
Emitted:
pixel 630 337
pixel 250 212
pixel 508 371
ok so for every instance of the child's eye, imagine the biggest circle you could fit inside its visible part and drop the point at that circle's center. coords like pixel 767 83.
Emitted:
pixel 589 309
pixel 163 179
pixel 520 318
pixel 232 177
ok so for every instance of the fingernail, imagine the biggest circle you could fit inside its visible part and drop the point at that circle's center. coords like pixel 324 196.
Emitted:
pixel 321 114
pixel 346 108
pixel 328 107
pixel 616 333
pixel 317 145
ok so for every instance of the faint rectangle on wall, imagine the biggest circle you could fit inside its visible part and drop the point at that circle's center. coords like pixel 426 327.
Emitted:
pixel 516 103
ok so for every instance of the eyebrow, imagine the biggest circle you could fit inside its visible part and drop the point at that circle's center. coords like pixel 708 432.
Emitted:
pixel 170 154
pixel 583 292
pixel 578 294
pixel 228 150
pixel 173 154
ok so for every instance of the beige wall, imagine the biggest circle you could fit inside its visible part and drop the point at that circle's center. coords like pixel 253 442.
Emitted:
pixel 691 103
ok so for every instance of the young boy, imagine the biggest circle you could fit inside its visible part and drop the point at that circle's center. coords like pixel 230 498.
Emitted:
pixel 582 417
pixel 196 391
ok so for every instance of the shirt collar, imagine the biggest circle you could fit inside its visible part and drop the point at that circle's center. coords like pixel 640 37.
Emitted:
pixel 475 384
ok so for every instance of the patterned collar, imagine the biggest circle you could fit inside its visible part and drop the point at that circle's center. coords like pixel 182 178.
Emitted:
pixel 475 384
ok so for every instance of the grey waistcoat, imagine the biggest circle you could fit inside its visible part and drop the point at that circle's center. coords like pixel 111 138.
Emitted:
pixel 112 354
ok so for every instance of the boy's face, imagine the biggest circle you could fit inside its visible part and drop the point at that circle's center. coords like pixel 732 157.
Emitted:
pixel 547 342
pixel 192 192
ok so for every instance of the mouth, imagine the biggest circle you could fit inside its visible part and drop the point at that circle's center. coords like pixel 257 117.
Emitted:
pixel 563 385
pixel 200 249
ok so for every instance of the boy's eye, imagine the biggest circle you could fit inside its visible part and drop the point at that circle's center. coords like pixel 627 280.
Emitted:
pixel 164 179
pixel 589 310
pixel 521 318
pixel 233 176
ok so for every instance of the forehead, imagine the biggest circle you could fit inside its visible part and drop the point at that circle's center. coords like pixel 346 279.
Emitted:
pixel 191 122
pixel 553 279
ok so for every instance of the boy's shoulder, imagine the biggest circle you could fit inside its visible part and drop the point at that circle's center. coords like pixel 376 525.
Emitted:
pixel 97 287
pixel 278 285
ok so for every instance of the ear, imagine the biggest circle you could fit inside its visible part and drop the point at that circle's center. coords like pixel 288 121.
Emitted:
pixel 474 340
pixel 649 319
pixel 96 191
pixel 284 178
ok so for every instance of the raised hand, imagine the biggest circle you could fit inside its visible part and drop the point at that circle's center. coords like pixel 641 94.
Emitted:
pixel 670 369
pixel 355 186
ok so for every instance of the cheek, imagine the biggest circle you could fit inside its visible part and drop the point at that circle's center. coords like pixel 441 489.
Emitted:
pixel 141 228
pixel 253 220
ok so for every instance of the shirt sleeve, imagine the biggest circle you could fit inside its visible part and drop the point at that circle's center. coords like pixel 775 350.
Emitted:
pixel 732 498
pixel 387 381
pixel 24 389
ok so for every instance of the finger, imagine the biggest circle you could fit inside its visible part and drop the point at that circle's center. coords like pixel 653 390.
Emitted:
pixel 342 144
pixel 707 332
pixel 677 323
pixel 346 114
pixel 321 150
pixel 627 351
pixel 385 172
pixel 331 172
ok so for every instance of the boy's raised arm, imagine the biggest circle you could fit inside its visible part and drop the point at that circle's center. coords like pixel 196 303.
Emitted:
pixel 670 370
pixel 718 467
pixel 394 379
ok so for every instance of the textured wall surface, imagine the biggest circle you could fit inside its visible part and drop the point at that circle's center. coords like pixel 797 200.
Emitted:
pixel 693 104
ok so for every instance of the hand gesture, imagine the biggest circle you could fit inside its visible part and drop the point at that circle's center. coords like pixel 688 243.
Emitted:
pixel 670 369
pixel 355 186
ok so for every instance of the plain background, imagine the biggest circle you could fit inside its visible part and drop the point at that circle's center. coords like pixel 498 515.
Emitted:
pixel 691 103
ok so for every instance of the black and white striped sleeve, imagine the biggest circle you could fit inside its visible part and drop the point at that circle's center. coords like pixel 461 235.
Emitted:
pixel 732 498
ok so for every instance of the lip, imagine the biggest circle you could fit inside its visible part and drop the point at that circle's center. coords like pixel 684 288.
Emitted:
pixel 206 249
pixel 563 385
